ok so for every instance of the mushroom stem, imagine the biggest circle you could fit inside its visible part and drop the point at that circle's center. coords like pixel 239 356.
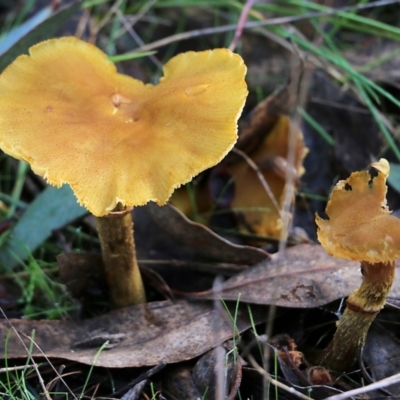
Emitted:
pixel 362 307
pixel 119 258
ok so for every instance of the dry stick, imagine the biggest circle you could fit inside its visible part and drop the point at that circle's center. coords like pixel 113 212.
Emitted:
pixel 121 268
pixel 369 388
pixel 54 383
pixel 275 382
pixel 288 193
pixel 142 377
pixel 135 392
pixel 96 29
pixel 256 24
pixel 135 36
pixel 143 11
pixel 260 176
pixel 11 369
pixel 242 21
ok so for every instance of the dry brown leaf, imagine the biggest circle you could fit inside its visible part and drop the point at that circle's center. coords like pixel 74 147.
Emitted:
pixel 138 336
pixel 201 239
pixel 305 277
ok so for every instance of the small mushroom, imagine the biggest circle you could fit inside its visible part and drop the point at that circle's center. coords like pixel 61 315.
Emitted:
pixel 116 141
pixel 360 228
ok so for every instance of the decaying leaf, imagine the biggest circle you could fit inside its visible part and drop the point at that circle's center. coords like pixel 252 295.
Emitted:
pixel 201 239
pixel 82 273
pixel 261 212
pixel 382 355
pixel 305 277
pixel 136 336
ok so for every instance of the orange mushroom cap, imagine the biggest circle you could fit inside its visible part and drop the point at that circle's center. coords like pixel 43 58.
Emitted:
pixel 67 111
pixel 360 226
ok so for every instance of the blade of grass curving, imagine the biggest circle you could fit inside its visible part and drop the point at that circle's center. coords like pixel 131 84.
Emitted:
pixel 358 79
pixel 131 56
pixel 23 168
pixel 357 22
pixel 389 138
pixel 316 126
pixel 99 351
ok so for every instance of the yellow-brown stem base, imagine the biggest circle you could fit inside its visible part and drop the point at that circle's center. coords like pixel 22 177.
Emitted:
pixel 119 259
pixel 362 307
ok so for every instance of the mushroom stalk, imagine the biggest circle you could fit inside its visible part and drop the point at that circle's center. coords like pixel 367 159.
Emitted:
pixel 362 307
pixel 119 258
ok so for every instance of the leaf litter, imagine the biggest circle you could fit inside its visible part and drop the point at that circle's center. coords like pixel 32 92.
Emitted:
pixel 301 277
pixel 136 336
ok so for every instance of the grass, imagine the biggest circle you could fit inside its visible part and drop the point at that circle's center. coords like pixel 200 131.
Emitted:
pixel 42 296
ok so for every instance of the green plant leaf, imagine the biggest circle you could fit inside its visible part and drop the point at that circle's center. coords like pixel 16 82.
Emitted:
pixel 36 29
pixel 52 209
pixel 394 176
pixel 16 34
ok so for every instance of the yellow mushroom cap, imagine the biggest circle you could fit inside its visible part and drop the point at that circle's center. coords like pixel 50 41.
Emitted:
pixel 360 226
pixel 66 111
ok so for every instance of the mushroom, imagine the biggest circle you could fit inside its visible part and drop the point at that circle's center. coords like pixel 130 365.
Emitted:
pixel 262 214
pixel 360 228
pixel 116 141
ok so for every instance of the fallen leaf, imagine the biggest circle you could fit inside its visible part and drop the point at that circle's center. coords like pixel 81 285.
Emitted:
pixel 382 355
pixel 261 210
pixel 201 239
pixel 82 273
pixel 306 276
pixel 141 335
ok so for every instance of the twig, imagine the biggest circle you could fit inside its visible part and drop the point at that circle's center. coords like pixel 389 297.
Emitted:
pixel 242 21
pixel 10 369
pixel 260 176
pixel 96 29
pixel 129 28
pixel 135 392
pixel 275 382
pixel 142 377
pixel 391 380
pixel 256 24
